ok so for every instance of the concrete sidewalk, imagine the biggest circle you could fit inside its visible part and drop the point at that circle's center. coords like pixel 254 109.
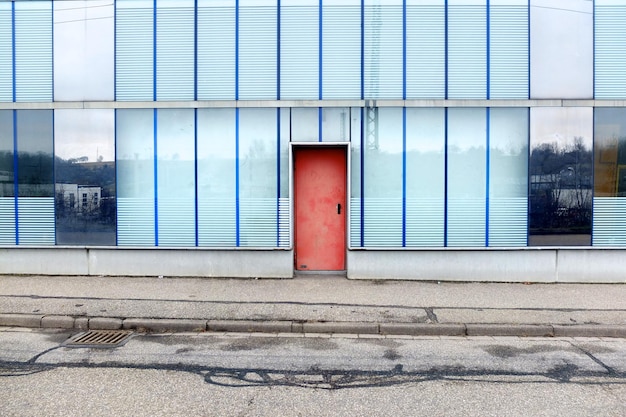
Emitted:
pixel 314 304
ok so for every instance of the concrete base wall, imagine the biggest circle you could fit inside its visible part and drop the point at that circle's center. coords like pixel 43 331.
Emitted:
pixel 147 262
pixel 500 265
pixel 507 265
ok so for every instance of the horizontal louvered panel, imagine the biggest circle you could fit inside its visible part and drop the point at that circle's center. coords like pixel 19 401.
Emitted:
pixel 341 52
pixel 177 221
pixel 284 222
pixel 383 52
pixel 508 221
pixel 258 39
pixel 135 222
pixel 424 222
pixel 610 51
pixel 134 55
pixel 383 222
pixel 36 220
pixel 217 222
pixel 467 52
pixel 6 53
pixel 508 61
pixel 258 222
pixel 7 221
pixel 355 222
pixel 299 51
pixel 216 60
pixel 425 51
pixel 33 51
pixel 466 222
pixel 609 221
pixel 175 52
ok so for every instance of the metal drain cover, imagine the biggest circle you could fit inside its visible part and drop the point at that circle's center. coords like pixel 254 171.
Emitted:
pixel 99 339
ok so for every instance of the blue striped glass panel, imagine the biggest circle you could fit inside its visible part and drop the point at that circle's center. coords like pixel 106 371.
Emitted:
pixel 355 178
pixel 383 49
pixel 341 49
pixel 176 185
pixel 258 171
pixel 33 51
pixel 467 176
pixel 134 50
pixel 217 150
pixel 508 177
pixel 467 49
pixel 383 178
pixel 35 177
pixel 425 49
pixel 610 49
pixel 216 50
pixel 175 50
pixel 508 49
pixel 7 179
pixel 425 177
pixel 135 177
pixel 84 50
pixel 6 52
pixel 609 221
pixel 258 39
pixel 299 49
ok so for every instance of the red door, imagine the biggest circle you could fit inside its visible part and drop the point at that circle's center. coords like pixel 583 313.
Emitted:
pixel 320 204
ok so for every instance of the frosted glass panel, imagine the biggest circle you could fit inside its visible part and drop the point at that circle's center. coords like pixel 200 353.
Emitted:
pixel 217 150
pixel 382 177
pixel 425 177
pixel 341 50
pixel 508 177
pixel 134 50
pixel 258 39
pixel 610 49
pixel 336 124
pixel 216 50
pixel 176 185
pixel 299 53
pixel 467 49
pixel 561 49
pixel 425 49
pixel 83 50
pixel 383 49
pixel 305 124
pixel 6 52
pixel 258 178
pixel 33 51
pixel 135 177
pixel 467 177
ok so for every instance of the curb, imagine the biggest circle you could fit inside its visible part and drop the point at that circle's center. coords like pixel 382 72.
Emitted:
pixel 289 326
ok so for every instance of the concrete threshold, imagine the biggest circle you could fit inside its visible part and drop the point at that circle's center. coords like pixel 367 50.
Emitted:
pixel 287 326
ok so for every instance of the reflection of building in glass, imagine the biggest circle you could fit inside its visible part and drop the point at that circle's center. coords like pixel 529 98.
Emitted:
pixel 471 125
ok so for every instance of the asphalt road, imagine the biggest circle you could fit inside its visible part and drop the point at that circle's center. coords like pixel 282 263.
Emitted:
pixel 257 375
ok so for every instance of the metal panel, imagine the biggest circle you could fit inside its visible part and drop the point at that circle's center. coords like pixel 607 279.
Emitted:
pixel 7 221
pixel 134 54
pixel 36 220
pixel 216 50
pixel 6 52
pixel 609 221
pixel 258 49
pixel 425 50
pixel 299 50
pixel 175 50
pixel 33 51
pixel 508 52
pixel 341 51
pixel 135 221
pixel 508 221
pixel 610 50
pixel 467 51
pixel 383 50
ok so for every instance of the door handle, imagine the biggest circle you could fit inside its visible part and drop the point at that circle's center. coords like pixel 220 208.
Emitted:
pixel 338 208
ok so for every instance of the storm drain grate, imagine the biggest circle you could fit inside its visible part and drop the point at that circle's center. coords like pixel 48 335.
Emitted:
pixel 99 339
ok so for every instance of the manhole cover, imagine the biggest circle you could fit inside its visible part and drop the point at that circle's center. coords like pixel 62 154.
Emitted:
pixel 99 339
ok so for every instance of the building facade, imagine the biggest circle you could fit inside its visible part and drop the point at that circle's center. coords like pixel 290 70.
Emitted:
pixel 405 139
